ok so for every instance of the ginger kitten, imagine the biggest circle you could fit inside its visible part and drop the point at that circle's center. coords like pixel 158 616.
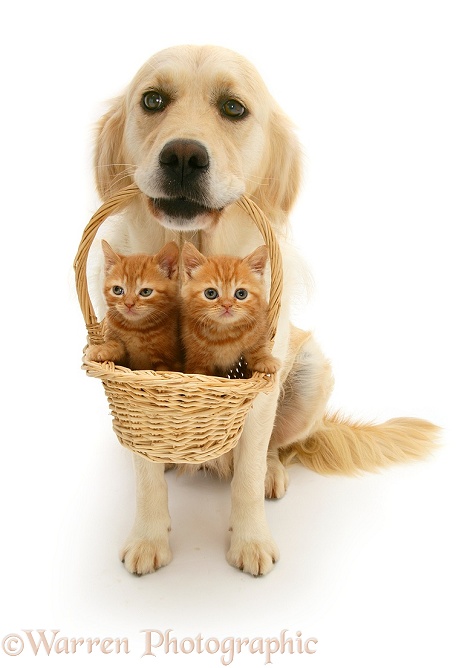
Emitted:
pixel 142 321
pixel 224 312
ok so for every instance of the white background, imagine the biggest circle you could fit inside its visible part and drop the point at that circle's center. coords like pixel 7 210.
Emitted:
pixel 368 564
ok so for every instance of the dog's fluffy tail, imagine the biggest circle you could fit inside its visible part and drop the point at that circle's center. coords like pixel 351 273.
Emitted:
pixel 343 447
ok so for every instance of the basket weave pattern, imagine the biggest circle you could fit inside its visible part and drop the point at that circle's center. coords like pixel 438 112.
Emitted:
pixel 167 416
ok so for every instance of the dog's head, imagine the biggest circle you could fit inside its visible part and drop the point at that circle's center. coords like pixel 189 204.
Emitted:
pixel 195 130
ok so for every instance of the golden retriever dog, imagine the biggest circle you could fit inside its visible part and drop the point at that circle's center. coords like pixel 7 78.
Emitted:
pixel 195 130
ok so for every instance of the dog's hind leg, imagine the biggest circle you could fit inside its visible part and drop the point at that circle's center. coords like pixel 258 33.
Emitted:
pixel 302 404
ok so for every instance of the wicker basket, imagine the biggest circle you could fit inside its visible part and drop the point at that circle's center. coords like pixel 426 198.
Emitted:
pixel 172 417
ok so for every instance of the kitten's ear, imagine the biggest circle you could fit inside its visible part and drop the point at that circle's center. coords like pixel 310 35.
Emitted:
pixel 192 259
pixel 111 258
pixel 168 258
pixel 257 260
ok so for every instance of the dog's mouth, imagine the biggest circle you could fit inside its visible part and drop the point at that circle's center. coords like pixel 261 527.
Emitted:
pixel 180 207
pixel 181 213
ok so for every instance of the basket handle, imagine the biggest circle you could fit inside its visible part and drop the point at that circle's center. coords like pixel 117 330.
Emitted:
pixel 115 204
pixel 275 260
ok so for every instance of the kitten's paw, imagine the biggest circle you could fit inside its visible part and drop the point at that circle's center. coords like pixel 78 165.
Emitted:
pixel 146 556
pixel 92 354
pixel 255 557
pixel 276 480
pixel 97 353
pixel 267 365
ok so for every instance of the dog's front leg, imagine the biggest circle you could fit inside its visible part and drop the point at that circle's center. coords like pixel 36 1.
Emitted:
pixel 147 547
pixel 252 547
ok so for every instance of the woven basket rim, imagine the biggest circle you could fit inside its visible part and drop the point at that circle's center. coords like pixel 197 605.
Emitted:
pixel 146 377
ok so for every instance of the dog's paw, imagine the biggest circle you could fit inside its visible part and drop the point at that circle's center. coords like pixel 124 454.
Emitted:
pixel 255 557
pixel 146 556
pixel 276 480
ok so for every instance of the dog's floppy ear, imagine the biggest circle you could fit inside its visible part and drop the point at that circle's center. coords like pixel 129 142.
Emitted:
pixel 111 170
pixel 280 185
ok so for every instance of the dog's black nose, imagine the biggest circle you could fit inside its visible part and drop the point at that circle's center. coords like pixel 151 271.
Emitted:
pixel 183 158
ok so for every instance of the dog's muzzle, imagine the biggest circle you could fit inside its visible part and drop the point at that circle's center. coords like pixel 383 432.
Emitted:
pixel 183 178
pixel 183 170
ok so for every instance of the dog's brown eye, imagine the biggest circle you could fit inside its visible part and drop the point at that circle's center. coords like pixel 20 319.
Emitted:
pixel 153 101
pixel 233 109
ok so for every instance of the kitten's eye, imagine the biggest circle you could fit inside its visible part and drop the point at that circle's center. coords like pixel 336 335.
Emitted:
pixel 241 293
pixel 145 292
pixel 153 101
pixel 210 293
pixel 233 109
pixel 117 290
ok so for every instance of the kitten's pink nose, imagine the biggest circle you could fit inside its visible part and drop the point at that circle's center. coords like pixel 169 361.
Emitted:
pixel 227 305
pixel 129 305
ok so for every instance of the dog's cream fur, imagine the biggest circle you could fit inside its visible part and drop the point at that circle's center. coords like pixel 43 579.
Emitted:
pixel 257 156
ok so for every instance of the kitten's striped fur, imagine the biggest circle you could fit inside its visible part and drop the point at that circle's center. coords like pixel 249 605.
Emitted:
pixel 141 327
pixel 232 320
